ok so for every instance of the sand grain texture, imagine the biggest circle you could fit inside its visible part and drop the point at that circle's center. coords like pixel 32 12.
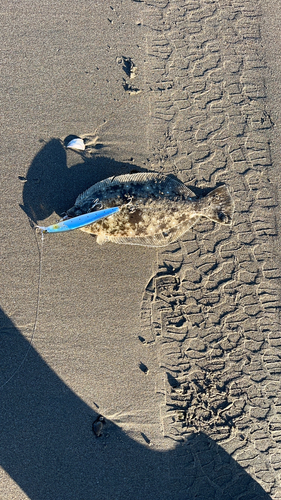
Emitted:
pixel 178 349
pixel 213 305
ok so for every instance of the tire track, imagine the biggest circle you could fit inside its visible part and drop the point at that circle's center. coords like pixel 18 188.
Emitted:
pixel 212 306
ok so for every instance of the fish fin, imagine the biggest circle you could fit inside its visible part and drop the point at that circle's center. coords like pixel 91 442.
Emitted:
pixel 112 181
pixel 177 187
pixel 101 239
pixel 217 206
pixel 147 241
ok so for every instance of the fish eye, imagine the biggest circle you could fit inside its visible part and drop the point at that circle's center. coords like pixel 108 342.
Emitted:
pixel 223 217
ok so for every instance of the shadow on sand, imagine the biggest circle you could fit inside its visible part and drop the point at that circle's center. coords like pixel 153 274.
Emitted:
pixel 53 187
pixel 47 444
pixel 48 447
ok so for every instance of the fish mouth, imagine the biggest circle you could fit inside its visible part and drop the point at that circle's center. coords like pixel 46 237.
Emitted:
pixel 72 212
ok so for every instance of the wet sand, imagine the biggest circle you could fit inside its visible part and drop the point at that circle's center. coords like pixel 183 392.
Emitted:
pixel 178 349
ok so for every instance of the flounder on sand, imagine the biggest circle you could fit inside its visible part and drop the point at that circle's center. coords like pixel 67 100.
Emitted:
pixel 155 210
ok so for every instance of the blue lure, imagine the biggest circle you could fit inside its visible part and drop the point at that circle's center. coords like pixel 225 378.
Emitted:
pixel 78 222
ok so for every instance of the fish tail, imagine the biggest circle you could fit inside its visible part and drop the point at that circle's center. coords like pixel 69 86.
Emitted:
pixel 217 205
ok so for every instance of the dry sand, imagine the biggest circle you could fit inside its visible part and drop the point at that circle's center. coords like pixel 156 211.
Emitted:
pixel 178 349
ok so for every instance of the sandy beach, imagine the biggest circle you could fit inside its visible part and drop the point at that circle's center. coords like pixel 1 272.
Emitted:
pixel 130 372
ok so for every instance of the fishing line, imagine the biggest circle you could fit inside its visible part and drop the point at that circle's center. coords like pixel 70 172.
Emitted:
pixel 40 255
pixel 39 232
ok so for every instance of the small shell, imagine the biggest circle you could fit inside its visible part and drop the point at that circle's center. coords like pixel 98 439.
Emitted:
pixel 76 144
pixel 98 425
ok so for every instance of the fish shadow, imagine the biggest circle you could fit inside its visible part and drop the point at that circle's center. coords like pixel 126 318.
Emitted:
pixel 49 449
pixel 53 187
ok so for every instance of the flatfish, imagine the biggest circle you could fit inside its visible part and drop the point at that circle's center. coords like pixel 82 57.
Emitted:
pixel 155 210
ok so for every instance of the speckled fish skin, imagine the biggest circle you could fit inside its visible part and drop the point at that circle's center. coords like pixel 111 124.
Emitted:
pixel 155 210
